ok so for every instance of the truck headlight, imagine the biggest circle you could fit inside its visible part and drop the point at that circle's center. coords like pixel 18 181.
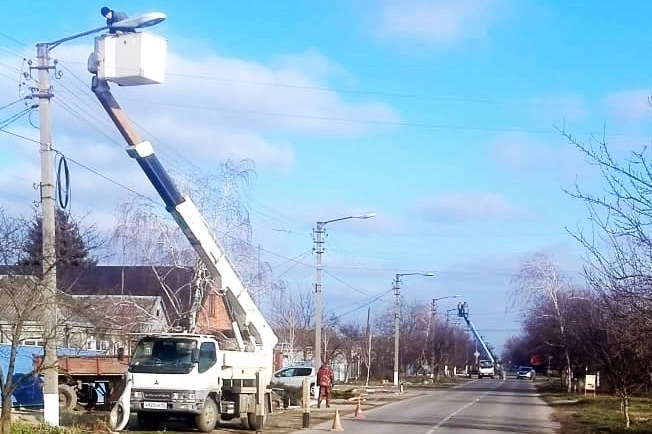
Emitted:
pixel 137 395
pixel 183 396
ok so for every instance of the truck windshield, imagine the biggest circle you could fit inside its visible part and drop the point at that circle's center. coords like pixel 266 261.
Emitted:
pixel 486 364
pixel 163 355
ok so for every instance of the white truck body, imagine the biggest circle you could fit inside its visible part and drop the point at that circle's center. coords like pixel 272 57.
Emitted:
pixel 236 382
pixel 177 373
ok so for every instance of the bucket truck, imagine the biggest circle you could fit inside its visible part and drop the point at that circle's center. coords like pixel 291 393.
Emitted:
pixel 183 375
pixel 489 366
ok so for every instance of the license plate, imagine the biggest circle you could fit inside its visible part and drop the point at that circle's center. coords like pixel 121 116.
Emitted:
pixel 155 405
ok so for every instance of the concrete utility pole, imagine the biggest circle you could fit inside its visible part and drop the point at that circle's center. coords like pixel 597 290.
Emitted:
pixel 433 309
pixel 319 249
pixel 397 306
pixel 48 261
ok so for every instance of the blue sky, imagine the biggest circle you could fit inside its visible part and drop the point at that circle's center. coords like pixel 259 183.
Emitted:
pixel 440 116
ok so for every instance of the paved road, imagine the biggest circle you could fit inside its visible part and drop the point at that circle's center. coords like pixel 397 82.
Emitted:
pixel 478 406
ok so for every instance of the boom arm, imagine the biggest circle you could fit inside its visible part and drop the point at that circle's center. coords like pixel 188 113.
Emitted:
pixel 245 313
pixel 464 313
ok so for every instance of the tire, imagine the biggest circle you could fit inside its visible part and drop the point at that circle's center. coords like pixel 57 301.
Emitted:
pixel 252 420
pixel 147 421
pixel 67 398
pixel 244 421
pixel 207 419
pixel 117 417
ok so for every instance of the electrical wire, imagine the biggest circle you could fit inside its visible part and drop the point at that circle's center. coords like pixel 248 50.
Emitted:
pixel 20 136
pixel 111 180
pixel 12 103
pixel 6 122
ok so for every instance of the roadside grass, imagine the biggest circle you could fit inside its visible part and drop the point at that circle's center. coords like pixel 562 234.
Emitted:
pixel 580 414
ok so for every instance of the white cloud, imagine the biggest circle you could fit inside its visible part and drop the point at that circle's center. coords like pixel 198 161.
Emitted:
pixel 629 105
pixel 437 21
pixel 560 107
pixel 529 157
pixel 519 152
pixel 462 207
pixel 210 109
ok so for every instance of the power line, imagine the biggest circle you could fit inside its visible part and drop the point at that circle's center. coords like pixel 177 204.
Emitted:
pixel 111 180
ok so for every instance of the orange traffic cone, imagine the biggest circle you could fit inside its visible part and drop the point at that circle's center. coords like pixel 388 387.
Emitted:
pixel 358 409
pixel 337 423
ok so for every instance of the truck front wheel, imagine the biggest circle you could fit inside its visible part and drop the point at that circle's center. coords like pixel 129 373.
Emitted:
pixel 147 421
pixel 207 419
pixel 67 398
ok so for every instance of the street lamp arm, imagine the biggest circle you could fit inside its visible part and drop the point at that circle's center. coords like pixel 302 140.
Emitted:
pixel 444 298
pixel 130 24
pixel 399 275
pixel 364 216
pixel 78 35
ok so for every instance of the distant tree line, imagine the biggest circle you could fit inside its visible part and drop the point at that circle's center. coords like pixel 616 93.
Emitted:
pixel 603 325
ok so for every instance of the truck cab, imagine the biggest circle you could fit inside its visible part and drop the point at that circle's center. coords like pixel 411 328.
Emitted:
pixel 486 368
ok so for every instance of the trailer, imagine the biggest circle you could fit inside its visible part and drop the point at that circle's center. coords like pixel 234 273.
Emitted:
pixel 88 379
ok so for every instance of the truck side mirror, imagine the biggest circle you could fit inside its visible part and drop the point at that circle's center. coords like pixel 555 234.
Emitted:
pixel 194 355
pixel 121 354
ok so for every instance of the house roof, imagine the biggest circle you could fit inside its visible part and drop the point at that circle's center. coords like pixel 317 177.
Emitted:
pixel 172 287
pixel 114 312
pixel 172 284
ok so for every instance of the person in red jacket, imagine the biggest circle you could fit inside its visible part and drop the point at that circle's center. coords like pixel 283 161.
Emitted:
pixel 325 379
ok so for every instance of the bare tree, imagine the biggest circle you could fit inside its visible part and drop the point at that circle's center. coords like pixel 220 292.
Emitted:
pixel 21 302
pixel 619 263
pixel 147 235
pixel 539 283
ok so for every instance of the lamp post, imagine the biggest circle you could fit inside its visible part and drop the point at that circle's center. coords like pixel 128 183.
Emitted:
pixel 319 249
pixel 44 94
pixel 397 293
pixel 432 318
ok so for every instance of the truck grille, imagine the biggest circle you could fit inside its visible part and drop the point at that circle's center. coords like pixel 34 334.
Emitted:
pixel 156 395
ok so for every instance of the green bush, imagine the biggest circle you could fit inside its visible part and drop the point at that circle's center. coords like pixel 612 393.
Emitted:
pixel 20 427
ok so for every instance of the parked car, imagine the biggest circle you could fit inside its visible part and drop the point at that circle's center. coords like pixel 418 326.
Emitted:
pixel 525 373
pixel 290 379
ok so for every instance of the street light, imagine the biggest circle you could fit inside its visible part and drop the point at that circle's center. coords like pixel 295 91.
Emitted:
pixel 397 293
pixel 319 249
pixel 432 319
pixel 49 277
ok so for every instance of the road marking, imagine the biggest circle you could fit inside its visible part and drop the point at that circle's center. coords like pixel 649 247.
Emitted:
pixel 462 408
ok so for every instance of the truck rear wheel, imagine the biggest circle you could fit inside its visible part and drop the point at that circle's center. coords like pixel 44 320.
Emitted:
pixel 207 419
pixel 67 398
pixel 252 422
